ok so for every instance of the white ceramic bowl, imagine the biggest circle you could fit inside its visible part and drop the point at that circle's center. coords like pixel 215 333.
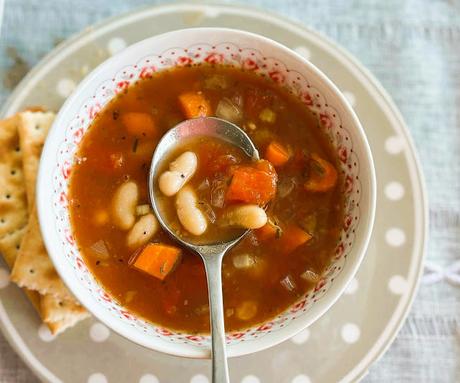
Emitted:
pixel 211 45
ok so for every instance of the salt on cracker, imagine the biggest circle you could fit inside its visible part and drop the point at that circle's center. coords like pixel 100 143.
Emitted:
pixel 13 202
pixel 10 245
pixel 33 129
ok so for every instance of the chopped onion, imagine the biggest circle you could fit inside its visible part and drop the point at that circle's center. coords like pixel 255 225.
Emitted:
pixel 218 196
pixel 228 110
pixel 227 159
pixel 288 283
pixel 309 223
pixel 216 81
pixel 99 250
pixel 244 261
pixel 285 187
pixel 204 185
pixel 142 209
pixel 310 276
pixel 207 210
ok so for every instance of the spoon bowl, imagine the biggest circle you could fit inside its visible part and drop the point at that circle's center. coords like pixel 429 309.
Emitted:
pixel 212 253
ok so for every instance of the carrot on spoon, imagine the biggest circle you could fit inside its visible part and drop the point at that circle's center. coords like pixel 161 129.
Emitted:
pixel 251 185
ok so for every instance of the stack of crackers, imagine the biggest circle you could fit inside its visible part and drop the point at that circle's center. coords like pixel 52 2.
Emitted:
pixel 21 140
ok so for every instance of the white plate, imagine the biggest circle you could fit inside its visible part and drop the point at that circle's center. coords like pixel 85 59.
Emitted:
pixel 362 324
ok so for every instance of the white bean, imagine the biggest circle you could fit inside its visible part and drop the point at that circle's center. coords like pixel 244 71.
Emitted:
pixel 244 216
pixel 180 171
pixel 124 204
pixel 191 218
pixel 144 229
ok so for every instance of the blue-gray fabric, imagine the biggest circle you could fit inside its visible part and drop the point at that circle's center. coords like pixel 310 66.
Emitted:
pixel 413 48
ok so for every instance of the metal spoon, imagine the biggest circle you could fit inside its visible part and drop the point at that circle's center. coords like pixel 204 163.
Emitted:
pixel 211 254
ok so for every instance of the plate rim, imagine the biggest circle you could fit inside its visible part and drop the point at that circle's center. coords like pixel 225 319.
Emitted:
pixel 360 72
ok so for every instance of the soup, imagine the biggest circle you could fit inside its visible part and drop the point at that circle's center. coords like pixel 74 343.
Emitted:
pixel 147 271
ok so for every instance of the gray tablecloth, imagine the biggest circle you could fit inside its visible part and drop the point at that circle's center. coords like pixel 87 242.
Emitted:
pixel 413 48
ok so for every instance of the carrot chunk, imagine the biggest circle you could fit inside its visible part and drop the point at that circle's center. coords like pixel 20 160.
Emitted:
pixel 157 259
pixel 194 104
pixel 139 124
pixel 293 237
pixel 277 154
pixel 251 185
pixel 323 175
pixel 267 167
pixel 266 232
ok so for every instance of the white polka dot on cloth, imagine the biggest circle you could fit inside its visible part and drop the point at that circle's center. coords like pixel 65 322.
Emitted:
pixel 394 191
pixel 44 333
pixel 394 144
pixel 99 332
pixel 302 378
pixel 115 45
pixel 65 87
pixel 352 287
pixel 200 378
pixel 250 379
pixel 397 284
pixel 148 378
pixel 97 378
pixel 4 278
pixel 395 237
pixel 350 97
pixel 303 51
pixel 301 337
pixel 350 333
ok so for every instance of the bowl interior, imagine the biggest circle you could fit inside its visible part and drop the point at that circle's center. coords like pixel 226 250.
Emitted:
pixel 217 46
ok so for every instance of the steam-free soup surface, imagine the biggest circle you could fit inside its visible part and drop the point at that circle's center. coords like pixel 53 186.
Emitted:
pixel 273 266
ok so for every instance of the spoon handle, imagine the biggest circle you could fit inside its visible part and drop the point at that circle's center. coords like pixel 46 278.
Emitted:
pixel 216 305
